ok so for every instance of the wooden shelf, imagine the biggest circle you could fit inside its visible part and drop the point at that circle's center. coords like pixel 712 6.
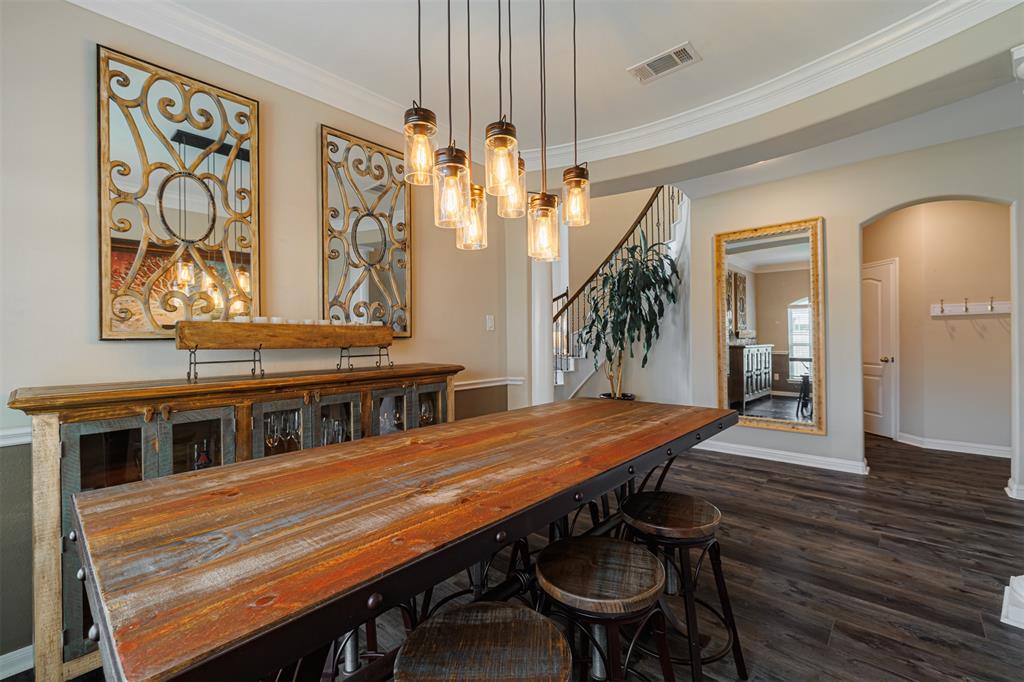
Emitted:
pixel 251 335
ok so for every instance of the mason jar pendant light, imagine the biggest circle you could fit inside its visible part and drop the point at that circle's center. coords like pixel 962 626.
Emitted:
pixel 420 124
pixel 576 179
pixel 512 204
pixel 472 232
pixel 542 218
pixel 501 149
pixel 451 166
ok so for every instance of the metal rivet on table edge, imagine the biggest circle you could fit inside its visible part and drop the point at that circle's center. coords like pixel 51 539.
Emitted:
pixel 698 436
pixel 94 633
pixel 631 470
pixel 73 536
pixel 80 574
pixel 721 426
pixel 501 536
pixel 375 600
pixel 578 497
pixel 669 453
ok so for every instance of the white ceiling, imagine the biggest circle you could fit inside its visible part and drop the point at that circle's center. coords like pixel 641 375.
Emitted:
pixel 757 56
pixel 771 257
pixel 743 43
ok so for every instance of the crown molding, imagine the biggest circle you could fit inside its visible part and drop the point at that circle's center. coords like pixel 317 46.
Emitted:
pixel 186 28
pixel 931 25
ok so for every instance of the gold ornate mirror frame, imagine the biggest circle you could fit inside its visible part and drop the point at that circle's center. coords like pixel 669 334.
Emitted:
pixel 174 150
pixel 366 233
pixel 814 228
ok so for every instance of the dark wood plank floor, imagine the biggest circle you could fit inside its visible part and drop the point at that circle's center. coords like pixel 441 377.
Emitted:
pixel 776 407
pixel 898 575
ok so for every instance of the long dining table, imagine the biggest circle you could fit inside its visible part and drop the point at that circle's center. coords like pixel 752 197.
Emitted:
pixel 231 572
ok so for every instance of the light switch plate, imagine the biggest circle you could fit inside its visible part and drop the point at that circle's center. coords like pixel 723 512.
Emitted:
pixel 489 322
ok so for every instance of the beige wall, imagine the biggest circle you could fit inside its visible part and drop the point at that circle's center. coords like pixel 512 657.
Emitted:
pixel 990 166
pixel 774 291
pixel 50 276
pixel 954 373
pixel 610 218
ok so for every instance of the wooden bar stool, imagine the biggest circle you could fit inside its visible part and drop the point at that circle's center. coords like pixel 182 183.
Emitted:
pixel 604 583
pixel 673 524
pixel 485 641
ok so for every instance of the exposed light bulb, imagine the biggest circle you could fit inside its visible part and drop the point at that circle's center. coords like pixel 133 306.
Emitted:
pixel 420 155
pixel 501 151
pixel 243 281
pixel 184 273
pixel 472 234
pixel 451 197
pixel 420 127
pixel 574 205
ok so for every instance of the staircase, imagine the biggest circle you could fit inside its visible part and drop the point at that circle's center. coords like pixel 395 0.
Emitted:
pixel 658 220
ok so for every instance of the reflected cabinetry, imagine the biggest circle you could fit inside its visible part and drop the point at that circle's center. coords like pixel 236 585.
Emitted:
pixel 101 435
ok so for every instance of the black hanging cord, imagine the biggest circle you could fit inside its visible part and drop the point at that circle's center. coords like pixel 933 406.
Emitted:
pixel 451 135
pixel 575 135
pixel 419 46
pixel 543 105
pixel 509 60
pixel 469 95
pixel 501 86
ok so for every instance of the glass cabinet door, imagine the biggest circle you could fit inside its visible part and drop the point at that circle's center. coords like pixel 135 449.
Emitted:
pixel 338 418
pixel 96 455
pixel 197 439
pixel 281 426
pixel 391 410
pixel 431 404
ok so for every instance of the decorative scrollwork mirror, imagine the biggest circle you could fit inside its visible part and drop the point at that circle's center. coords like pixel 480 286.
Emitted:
pixel 179 200
pixel 366 233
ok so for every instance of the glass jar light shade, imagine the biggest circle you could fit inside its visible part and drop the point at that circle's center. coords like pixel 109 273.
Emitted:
pixel 451 187
pixel 184 273
pixel 243 280
pixel 576 196
pixel 500 153
pixel 542 227
pixel 472 234
pixel 513 203
pixel 420 128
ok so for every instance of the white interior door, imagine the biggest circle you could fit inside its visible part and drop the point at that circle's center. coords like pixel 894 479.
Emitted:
pixel 878 295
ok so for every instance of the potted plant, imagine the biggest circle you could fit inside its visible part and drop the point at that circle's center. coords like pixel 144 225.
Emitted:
pixel 626 306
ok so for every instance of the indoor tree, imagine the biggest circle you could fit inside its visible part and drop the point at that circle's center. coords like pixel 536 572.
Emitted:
pixel 626 304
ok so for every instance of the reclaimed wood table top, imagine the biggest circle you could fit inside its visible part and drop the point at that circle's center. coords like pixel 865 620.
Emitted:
pixel 187 567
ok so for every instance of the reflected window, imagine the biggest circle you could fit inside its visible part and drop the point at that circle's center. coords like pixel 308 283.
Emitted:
pixel 799 313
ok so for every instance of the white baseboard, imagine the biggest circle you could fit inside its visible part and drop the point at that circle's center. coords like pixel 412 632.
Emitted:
pixel 1013 602
pixel 1014 489
pixel 14 662
pixel 15 435
pixel 955 446
pixel 487 383
pixel 817 461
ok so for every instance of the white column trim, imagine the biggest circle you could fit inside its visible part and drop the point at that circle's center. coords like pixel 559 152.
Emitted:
pixel 1013 602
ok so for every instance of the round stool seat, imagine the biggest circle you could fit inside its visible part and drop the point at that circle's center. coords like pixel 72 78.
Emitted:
pixel 599 575
pixel 485 641
pixel 673 516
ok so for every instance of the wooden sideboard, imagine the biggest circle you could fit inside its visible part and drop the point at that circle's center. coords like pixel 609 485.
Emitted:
pixel 99 435
pixel 750 374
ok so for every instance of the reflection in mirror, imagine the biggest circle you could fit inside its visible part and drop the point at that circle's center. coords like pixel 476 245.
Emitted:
pixel 366 235
pixel 769 286
pixel 178 199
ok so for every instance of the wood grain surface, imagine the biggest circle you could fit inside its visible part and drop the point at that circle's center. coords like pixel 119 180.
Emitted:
pixel 599 575
pixel 491 641
pixel 671 515
pixel 191 565
pixel 250 335
pixel 78 396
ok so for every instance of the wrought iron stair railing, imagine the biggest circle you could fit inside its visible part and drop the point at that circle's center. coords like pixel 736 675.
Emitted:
pixel 656 221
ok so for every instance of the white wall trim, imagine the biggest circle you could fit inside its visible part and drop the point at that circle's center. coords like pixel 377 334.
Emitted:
pixel 14 662
pixel 487 383
pixel 15 435
pixel 816 461
pixel 1013 490
pixel 1013 602
pixel 189 29
pixel 955 446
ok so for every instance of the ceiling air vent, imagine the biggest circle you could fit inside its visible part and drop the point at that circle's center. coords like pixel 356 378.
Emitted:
pixel 665 63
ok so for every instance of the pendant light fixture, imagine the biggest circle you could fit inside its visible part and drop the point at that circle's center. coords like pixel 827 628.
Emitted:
pixel 542 218
pixel 575 179
pixel 420 123
pixel 451 166
pixel 472 232
pixel 512 204
pixel 501 149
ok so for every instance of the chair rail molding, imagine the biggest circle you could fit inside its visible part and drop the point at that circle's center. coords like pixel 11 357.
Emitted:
pixel 932 24
pixel 472 384
pixel 15 435
pixel 14 662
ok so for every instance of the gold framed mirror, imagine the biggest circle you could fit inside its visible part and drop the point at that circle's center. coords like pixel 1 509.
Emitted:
pixel 179 200
pixel 366 233
pixel 769 294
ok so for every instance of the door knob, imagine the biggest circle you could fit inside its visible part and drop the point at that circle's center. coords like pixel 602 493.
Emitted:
pixel 885 358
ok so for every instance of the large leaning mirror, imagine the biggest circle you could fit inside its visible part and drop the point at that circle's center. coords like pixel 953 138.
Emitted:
pixel 179 200
pixel 770 320
pixel 366 233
